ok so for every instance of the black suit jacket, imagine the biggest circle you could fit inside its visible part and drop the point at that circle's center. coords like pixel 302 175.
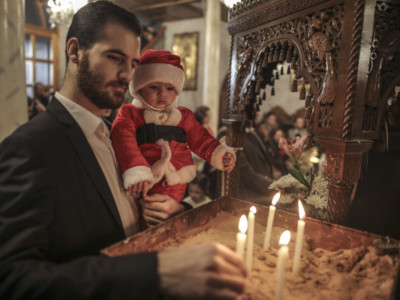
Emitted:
pixel 56 213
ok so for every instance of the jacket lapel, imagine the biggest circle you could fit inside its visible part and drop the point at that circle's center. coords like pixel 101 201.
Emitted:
pixel 85 155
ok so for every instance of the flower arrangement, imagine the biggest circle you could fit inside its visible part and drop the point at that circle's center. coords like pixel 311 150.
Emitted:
pixel 301 184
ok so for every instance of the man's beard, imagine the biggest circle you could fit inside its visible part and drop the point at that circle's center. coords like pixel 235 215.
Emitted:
pixel 91 85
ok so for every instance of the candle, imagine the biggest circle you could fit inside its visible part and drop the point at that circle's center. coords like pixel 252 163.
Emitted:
pixel 271 215
pixel 299 239
pixel 241 236
pixel 250 238
pixel 283 255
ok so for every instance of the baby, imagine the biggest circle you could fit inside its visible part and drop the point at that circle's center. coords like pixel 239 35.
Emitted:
pixel 153 137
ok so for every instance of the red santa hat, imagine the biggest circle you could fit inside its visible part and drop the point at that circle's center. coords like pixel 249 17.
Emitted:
pixel 157 66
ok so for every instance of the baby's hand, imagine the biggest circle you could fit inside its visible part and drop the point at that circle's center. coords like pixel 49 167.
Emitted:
pixel 139 189
pixel 228 161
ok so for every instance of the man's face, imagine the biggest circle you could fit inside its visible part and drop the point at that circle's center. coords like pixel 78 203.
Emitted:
pixel 105 70
pixel 42 91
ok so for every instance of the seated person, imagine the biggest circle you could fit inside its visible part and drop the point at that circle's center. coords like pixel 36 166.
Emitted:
pixel 256 169
pixel 278 156
pixel 198 190
pixel 203 116
pixel 298 128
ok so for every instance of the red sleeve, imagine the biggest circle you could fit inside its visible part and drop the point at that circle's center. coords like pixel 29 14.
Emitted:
pixel 123 135
pixel 197 137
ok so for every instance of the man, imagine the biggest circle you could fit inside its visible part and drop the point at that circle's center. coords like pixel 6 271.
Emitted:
pixel 298 128
pixel 40 99
pixel 61 199
pixel 41 93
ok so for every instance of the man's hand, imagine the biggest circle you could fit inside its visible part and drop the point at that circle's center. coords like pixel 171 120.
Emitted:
pixel 208 271
pixel 157 208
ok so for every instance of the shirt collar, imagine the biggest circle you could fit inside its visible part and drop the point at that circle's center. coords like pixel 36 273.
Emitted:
pixel 86 120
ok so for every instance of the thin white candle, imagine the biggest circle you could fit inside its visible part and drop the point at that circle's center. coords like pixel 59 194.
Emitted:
pixel 241 236
pixel 283 255
pixel 270 221
pixel 299 239
pixel 250 238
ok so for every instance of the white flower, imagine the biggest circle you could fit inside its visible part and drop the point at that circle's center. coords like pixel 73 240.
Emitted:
pixel 286 198
pixel 285 182
pixel 320 184
pixel 316 200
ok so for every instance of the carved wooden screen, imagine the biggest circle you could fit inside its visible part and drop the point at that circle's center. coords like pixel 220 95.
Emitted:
pixel 349 54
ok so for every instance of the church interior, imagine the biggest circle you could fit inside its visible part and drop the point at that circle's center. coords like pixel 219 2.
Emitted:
pixel 333 65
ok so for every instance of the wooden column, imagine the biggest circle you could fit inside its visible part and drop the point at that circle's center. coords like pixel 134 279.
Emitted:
pixel 13 99
pixel 211 84
pixel 343 169
pixel 235 137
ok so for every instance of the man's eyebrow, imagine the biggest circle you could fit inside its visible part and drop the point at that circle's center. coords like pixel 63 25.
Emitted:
pixel 117 51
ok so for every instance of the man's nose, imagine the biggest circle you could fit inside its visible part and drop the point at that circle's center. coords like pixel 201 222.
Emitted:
pixel 126 73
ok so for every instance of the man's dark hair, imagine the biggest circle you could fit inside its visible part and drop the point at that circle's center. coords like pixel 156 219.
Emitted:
pixel 88 23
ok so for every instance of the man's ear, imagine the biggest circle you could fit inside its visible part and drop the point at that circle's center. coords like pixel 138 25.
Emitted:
pixel 73 50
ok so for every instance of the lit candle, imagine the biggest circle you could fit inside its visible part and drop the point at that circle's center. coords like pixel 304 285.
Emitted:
pixel 271 215
pixel 299 239
pixel 241 236
pixel 283 255
pixel 250 238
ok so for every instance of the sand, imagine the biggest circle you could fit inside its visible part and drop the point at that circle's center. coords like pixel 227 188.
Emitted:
pixel 345 274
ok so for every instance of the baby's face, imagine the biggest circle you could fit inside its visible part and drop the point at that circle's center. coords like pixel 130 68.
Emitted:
pixel 159 94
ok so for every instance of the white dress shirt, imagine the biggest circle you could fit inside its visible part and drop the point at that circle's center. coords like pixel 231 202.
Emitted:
pixel 98 136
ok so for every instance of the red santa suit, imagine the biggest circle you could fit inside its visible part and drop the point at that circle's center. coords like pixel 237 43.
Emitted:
pixel 165 161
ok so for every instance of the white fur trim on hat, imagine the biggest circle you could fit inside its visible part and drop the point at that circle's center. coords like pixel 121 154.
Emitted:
pixel 148 73
pixel 218 153
pixel 137 174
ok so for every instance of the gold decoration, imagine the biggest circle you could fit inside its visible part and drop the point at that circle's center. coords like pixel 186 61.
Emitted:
pixel 186 46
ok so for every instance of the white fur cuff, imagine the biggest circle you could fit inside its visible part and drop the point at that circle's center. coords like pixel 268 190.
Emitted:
pixel 218 153
pixel 137 174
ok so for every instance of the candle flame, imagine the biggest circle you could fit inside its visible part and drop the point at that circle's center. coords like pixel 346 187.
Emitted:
pixel 302 213
pixel 243 224
pixel 253 209
pixel 285 238
pixel 276 198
